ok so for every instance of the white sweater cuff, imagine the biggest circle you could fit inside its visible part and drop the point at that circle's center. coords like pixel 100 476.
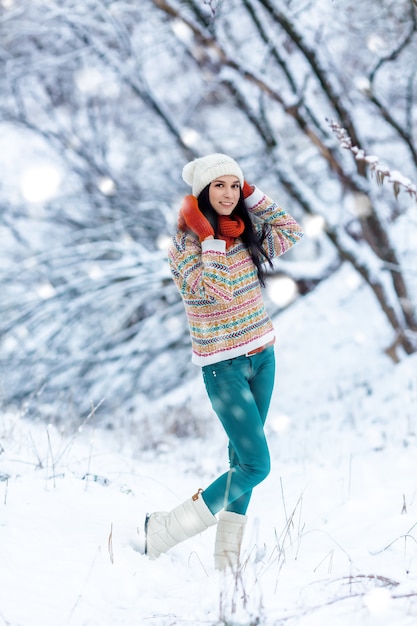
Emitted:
pixel 254 198
pixel 215 245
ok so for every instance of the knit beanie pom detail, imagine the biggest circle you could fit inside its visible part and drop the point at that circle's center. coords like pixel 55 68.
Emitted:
pixel 201 172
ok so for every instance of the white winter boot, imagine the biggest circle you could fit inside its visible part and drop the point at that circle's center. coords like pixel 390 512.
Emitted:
pixel 164 530
pixel 229 535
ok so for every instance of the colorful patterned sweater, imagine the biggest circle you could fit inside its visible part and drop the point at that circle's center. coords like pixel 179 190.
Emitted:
pixel 220 288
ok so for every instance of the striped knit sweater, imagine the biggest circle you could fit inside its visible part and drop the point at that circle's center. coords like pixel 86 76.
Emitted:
pixel 220 288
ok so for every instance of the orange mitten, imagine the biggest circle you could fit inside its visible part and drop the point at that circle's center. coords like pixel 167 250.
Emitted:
pixel 191 215
pixel 247 189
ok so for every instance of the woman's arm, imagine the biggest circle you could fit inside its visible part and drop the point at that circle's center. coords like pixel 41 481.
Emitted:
pixel 282 230
pixel 200 271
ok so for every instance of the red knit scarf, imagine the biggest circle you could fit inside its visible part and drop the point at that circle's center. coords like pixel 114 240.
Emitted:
pixel 230 228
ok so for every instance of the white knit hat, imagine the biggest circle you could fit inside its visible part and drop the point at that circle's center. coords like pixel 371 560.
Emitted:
pixel 200 172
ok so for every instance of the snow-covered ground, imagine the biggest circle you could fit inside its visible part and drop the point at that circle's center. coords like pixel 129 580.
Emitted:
pixel 332 532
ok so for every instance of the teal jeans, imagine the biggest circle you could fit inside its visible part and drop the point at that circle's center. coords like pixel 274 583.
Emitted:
pixel 240 392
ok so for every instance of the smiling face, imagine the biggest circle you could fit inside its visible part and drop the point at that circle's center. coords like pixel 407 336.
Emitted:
pixel 224 194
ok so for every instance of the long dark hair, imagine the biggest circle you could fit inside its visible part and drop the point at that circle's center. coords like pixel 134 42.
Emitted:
pixel 250 237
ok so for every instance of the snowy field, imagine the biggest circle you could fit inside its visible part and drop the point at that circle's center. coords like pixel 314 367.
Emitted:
pixel 332 532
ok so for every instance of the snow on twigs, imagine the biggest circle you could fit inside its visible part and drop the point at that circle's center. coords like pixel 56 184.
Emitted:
pixel 381 171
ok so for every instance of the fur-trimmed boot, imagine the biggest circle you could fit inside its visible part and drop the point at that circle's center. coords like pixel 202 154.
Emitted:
pixel 229 535
pixel 163 530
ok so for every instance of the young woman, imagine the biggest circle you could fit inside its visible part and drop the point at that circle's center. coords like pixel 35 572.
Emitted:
pixel 227 230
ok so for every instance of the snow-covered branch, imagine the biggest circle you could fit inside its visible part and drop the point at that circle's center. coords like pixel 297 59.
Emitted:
pixel 381 171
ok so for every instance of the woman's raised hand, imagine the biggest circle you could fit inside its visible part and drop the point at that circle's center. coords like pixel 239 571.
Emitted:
pixel 191 216
pixel 247 189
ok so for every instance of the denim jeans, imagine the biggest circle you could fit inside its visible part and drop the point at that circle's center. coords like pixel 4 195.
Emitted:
pixel 240 392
